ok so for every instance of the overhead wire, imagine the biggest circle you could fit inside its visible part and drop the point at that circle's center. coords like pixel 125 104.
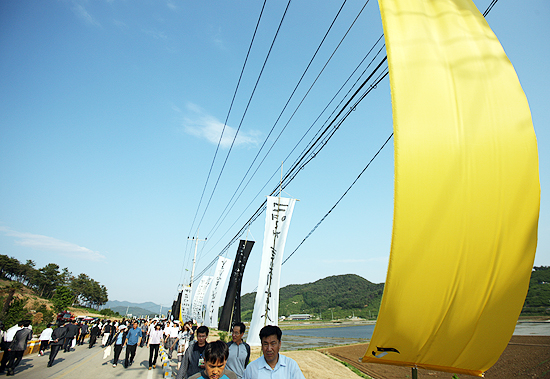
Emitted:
pixel 303 136
pixel 245 111
pixel 260 209
pixel 339 90
pixel 224 214
pixel 289 176
pixel 224 125
pixel 282 111
pixel 487 11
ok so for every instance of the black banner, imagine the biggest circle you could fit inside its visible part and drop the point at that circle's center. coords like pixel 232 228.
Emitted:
pixel 173 309
pixel 231 312
pixel 176 312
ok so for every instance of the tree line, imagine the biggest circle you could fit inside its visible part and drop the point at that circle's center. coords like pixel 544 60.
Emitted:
pixel 50 279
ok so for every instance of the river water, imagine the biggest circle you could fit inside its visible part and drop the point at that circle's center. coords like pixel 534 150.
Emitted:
pixel 333 336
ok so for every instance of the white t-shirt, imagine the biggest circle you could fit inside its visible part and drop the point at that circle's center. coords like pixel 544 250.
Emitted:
pixel 46 334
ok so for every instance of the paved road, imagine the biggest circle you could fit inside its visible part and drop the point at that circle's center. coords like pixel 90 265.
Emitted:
pixel 84 363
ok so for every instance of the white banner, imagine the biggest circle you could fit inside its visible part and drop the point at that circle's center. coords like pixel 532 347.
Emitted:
pixel 266 307
pixel 198 298
pixel 185 306
pixel 216 292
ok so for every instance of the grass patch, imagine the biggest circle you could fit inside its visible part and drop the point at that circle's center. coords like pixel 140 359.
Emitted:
pixel 352 368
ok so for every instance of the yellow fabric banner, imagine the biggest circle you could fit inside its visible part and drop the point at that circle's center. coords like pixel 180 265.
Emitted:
pixel 467 191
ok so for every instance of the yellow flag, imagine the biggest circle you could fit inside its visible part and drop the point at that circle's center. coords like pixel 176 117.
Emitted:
pixel 467 191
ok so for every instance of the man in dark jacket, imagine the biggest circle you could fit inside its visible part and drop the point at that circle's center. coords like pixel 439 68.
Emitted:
pixel 94 333
pixel 72 332
pixel 58 339
pixel 18 346
pixel 193 360
pixel 83 332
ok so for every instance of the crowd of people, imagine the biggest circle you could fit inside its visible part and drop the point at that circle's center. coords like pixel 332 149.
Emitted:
pixel 196 358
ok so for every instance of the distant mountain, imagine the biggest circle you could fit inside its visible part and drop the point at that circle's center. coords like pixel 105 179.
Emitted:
pixel 150 307
pixel 335 297
pixel 134 311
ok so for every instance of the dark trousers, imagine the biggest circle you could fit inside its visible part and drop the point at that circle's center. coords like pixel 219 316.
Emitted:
pixel 67 344
pixel 130 354
pixel 54 349
pixel 80 339
pixel 143 339
pixel 15 358
pixel 118 349
pixel 153 349
pixel 92 340
pixel 44 345
pixel 5 359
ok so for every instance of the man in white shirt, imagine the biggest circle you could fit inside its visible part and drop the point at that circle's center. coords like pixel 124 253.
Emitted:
pixel 170 337
pixel 272 365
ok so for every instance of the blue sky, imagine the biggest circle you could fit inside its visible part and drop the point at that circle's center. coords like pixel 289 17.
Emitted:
pixel 111 111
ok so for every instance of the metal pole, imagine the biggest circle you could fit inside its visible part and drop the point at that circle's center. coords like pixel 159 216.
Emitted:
pixel 414 373
pixel 194 257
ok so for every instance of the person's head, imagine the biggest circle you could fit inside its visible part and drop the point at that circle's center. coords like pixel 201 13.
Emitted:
pixel 270 336
pixel 135 324
pixel 26 323
pixel 215 357
pixel 157 326
pixel 202 333
pixel 238 332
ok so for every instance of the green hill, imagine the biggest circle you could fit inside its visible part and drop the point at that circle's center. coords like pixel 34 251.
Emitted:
pixel 342 296
pixel 537 301
pixel 335 297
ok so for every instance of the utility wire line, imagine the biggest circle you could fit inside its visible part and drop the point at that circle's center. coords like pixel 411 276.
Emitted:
pixel 293 172
pixel 245 112
pixel 277 171
pixel 281 113
pixel 260 209
pixel 224 214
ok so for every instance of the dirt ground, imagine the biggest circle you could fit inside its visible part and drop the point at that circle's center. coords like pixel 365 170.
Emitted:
pixel 525 357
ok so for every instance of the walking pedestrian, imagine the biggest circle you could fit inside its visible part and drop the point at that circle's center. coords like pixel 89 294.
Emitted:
pixel 94 333
pixel 171 337
pixel 106 333
pixel 58 340
pixel 193 360
pixel 83 333
pixel 184 338
pixel 133 338
pixel 119 340
pixel 155 338
pixel 8 338
pixel 72 332
pixel 239 351
pixel 45 338
pixel 18 346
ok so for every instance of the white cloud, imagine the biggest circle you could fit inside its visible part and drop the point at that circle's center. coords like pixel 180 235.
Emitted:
pixel 120 24
pixel 171 5
pixel 39 242
pixel 210 128
pixel 157 34
pixel 81 12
